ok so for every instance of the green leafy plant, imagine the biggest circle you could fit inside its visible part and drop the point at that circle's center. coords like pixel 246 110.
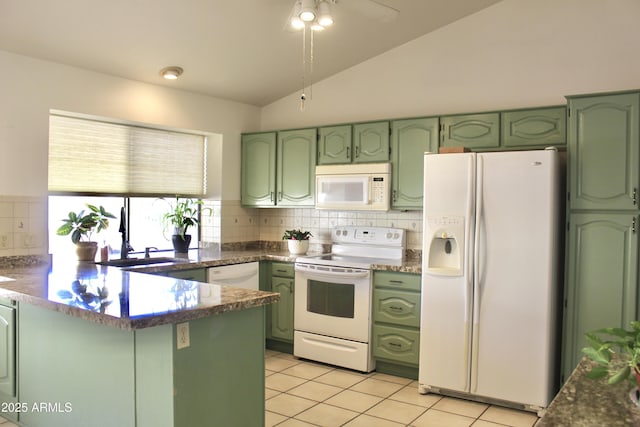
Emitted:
pixel 605 344
pixel 296 235
pixel 82 225
pixel 182 214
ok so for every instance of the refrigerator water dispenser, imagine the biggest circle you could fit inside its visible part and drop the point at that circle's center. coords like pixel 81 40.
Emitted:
pixel 446 245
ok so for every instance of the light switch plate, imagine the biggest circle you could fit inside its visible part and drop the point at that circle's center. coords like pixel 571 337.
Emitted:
pixel 182 335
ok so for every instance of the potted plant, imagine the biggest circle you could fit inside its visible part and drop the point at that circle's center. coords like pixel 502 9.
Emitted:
pixel 182 214
pixel 81 226
pixel 616 352
pixel 297 241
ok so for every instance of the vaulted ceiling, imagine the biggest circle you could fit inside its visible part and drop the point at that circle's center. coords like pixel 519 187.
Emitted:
pixel 239 50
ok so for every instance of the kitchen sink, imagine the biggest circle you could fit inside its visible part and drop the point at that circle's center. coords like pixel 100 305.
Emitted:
pixel 129 262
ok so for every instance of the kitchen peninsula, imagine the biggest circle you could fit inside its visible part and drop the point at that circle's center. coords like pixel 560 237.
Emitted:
pixel 101 346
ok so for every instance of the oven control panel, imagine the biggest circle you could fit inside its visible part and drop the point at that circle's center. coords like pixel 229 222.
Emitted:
pixel 381 236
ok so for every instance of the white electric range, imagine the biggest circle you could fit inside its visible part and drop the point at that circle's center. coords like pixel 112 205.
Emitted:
pixel 333 292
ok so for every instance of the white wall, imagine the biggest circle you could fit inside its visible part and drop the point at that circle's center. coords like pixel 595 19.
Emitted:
pixel 29 88
pixel 517 53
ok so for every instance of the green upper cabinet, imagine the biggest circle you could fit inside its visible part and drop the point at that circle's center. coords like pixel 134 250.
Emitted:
pixel 602 274
pixel 410 139
pixel 296 169
pixel 603 151
pixel 371 142
pixel 334 144
pixel 258 170
pixel 534 128
pixel 278 169
pixel 474 131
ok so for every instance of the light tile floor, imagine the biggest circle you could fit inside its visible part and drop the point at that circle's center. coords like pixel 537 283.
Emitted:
pixel 305 393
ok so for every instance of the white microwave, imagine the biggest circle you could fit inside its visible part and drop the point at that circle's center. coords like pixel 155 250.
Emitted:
pixel 357 187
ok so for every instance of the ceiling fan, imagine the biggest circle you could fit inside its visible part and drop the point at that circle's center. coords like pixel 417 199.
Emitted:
pixel 318 13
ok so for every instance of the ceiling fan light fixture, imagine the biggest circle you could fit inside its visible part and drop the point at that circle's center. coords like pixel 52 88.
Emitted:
pixel 171 73
pixel 295 21
pixel 307 10
pixel 315 26
pixel 324 14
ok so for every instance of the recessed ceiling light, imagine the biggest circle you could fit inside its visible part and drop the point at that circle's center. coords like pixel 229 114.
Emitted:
pixel 171 73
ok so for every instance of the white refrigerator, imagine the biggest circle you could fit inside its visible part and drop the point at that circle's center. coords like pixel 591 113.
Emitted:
pixel 490 282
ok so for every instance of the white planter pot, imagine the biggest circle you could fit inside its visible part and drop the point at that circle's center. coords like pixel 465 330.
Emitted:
pixel 298 247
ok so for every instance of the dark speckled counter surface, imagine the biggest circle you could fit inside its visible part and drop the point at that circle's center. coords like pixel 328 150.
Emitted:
pixel 586 402
pixel 126 299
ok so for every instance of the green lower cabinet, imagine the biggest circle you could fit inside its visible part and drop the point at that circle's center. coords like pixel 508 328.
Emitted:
pixel 396 323
pixel 8 390
pixel 80 373
pixel 396 344
pixel 602 278
pixel 282 281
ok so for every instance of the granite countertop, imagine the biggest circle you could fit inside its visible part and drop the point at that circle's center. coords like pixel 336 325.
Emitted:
pixel 124 298
pixel 586 402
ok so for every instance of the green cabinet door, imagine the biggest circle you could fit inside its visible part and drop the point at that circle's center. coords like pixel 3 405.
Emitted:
pixel 410 139
pixel 8 360
pixel 371 142
pixel 282 311
pixel 474 131
pixel 334 145
pixel 603 151
pixel 296 160
pixel 541 127
pixel 397 344
pixel 258 169
pixel 601 288
pixel 397 307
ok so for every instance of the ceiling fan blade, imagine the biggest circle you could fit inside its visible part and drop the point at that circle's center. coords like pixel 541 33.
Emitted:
pixel 371 8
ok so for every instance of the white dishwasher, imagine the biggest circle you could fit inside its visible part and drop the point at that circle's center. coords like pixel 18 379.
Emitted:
pixel 239 275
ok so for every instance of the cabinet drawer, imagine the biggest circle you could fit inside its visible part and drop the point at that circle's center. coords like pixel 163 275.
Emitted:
pixel 397 307
pixel 395 280
pixel 282 269
pixel 396 344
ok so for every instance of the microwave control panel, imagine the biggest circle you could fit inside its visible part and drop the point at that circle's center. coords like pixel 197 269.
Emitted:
pixel 378 189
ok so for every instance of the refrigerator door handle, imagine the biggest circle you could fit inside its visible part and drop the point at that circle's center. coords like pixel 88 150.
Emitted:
pixel 476 273
pixel 469 266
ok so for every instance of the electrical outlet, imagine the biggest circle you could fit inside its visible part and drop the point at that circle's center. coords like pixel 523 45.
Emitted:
pixel 4 241
pixel 182 335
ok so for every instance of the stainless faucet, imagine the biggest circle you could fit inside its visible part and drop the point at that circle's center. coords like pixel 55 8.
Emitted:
pixel 126 247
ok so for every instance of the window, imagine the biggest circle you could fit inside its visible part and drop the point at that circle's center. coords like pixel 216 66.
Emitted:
pixel 145 229
pixel 91 156
pixel 119 165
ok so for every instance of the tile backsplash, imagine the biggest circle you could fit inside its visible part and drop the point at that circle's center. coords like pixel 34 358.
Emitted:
pixel 23 225
pixel 230 223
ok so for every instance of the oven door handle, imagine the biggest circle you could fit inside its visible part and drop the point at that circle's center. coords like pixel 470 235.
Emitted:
pixel 329 273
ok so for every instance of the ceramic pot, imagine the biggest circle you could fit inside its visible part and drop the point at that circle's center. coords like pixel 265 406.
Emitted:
pixel 298 247
pixel 86 251
pixel 181 245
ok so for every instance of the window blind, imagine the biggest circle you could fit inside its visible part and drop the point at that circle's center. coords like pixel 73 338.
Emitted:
pixel 90 156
